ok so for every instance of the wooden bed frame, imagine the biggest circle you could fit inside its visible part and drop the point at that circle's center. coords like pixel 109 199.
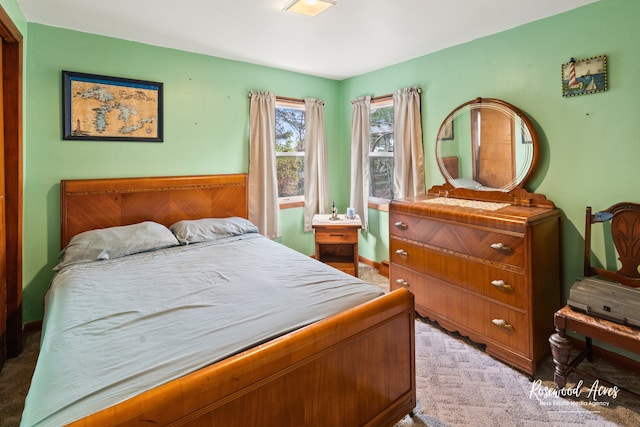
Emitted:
pixel 356 368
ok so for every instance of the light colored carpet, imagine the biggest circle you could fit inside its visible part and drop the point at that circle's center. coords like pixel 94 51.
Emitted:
pixel 15 378
pixel 460 385
pixel 457 385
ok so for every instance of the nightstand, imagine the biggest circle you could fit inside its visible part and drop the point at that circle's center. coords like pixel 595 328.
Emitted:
pixel 337 242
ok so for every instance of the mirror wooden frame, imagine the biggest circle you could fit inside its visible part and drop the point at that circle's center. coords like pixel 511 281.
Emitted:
pixel 512 192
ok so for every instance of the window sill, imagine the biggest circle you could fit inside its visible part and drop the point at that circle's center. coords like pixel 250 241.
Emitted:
pixel 379 205
pixel 289 205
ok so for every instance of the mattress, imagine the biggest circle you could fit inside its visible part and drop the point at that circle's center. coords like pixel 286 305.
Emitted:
pixel 116 328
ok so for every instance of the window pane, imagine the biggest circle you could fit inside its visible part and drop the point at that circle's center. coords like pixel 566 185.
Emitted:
pixel 381 151
pixel 290 171
pixel 290 129
pixel 381 171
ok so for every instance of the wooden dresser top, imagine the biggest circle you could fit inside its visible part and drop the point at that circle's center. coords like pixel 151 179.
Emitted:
pixel 493 215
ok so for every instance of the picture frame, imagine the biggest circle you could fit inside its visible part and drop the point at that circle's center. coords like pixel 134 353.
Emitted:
pixel 447 131
pixel 584 76
pixel 103 108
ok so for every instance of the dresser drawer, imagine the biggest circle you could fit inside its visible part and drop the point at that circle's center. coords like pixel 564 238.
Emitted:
pixel 336 236
pixel 430 293
pixel 503 325
pixel 464 239
pixel 497 283
pixel 506 326
pixel 400 277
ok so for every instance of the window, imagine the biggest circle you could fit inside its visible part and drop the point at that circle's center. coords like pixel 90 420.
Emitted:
pixel 290 129
pixel 381 149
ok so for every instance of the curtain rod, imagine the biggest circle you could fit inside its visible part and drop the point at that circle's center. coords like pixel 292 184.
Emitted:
pixel 382 97
pixel 376 98
pixel 284 98
pixel 387 96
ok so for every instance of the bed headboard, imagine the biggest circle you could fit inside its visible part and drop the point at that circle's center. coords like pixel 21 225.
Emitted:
pixel 451 164
pixel 86 204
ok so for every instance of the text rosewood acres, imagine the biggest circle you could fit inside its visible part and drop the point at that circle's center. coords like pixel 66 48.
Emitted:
pixel 542 393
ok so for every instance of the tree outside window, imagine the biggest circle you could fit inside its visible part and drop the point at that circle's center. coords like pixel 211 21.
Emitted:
pixel 290 133
pixel 381 150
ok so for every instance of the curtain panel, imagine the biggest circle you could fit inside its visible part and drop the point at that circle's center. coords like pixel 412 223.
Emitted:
pixel 359 191
pixel 408 157
pixel 263 180
pixel 316 188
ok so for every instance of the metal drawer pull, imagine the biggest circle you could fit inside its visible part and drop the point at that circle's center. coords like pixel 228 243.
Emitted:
pixel 335 235
pixel 503 324
pixel 502 285
pixel 402 253
pixel 401 225
pixel 402 282
pixel 500 247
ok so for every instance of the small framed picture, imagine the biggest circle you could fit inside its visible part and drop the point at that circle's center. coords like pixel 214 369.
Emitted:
pixel 447 131
pixel 105 108
pixel 584 76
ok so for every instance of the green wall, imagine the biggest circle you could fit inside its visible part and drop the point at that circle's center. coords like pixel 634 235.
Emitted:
pixel 206 130
pixel 588 143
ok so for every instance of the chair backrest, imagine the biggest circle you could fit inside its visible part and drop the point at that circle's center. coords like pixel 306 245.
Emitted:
pixel 625 233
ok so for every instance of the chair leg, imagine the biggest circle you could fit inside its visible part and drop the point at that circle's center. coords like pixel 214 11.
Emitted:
pixel 589 349
pixel 561 351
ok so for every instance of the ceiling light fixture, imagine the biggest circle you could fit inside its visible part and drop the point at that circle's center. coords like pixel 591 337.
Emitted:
pixel 308 7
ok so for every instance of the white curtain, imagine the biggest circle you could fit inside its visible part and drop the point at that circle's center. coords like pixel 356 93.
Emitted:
pixel 316 189
pixel 359 194
pixel 408 155
pixel 263 181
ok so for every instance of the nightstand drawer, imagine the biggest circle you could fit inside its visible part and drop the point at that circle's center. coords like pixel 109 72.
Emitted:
pixel 336 236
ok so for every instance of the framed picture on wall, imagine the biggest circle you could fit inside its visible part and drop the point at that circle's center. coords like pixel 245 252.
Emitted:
pixel 584 76
pixel 105 108
pixel 447 131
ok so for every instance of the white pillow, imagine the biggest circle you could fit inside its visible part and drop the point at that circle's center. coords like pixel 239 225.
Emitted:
pixel 116 242
pixel 465 183
pixel 209 229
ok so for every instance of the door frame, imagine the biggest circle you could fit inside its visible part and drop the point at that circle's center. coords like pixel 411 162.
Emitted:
pixel 12 65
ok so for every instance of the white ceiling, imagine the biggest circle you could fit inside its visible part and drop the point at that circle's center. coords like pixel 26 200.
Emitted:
pixel 350 38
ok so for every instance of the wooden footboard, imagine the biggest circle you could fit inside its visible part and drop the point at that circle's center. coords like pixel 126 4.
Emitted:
pixel 356 368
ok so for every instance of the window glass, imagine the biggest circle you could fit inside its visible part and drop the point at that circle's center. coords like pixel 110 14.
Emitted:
pixel 381 150
pixel 290 150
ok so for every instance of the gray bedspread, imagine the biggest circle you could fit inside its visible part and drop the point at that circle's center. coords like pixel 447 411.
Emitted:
pixel 116 328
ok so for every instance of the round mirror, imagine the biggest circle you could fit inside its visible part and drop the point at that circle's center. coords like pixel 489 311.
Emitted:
pixel 486 145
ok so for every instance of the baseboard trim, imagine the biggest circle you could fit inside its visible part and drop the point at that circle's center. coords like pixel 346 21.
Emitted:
pixel 382 266
pixel 608 355
pixel 34 326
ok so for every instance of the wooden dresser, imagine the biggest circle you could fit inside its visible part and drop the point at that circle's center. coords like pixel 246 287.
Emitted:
pixel 492 275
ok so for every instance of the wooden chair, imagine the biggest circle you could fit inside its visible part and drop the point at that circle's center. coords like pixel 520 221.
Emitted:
pixel 625 233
